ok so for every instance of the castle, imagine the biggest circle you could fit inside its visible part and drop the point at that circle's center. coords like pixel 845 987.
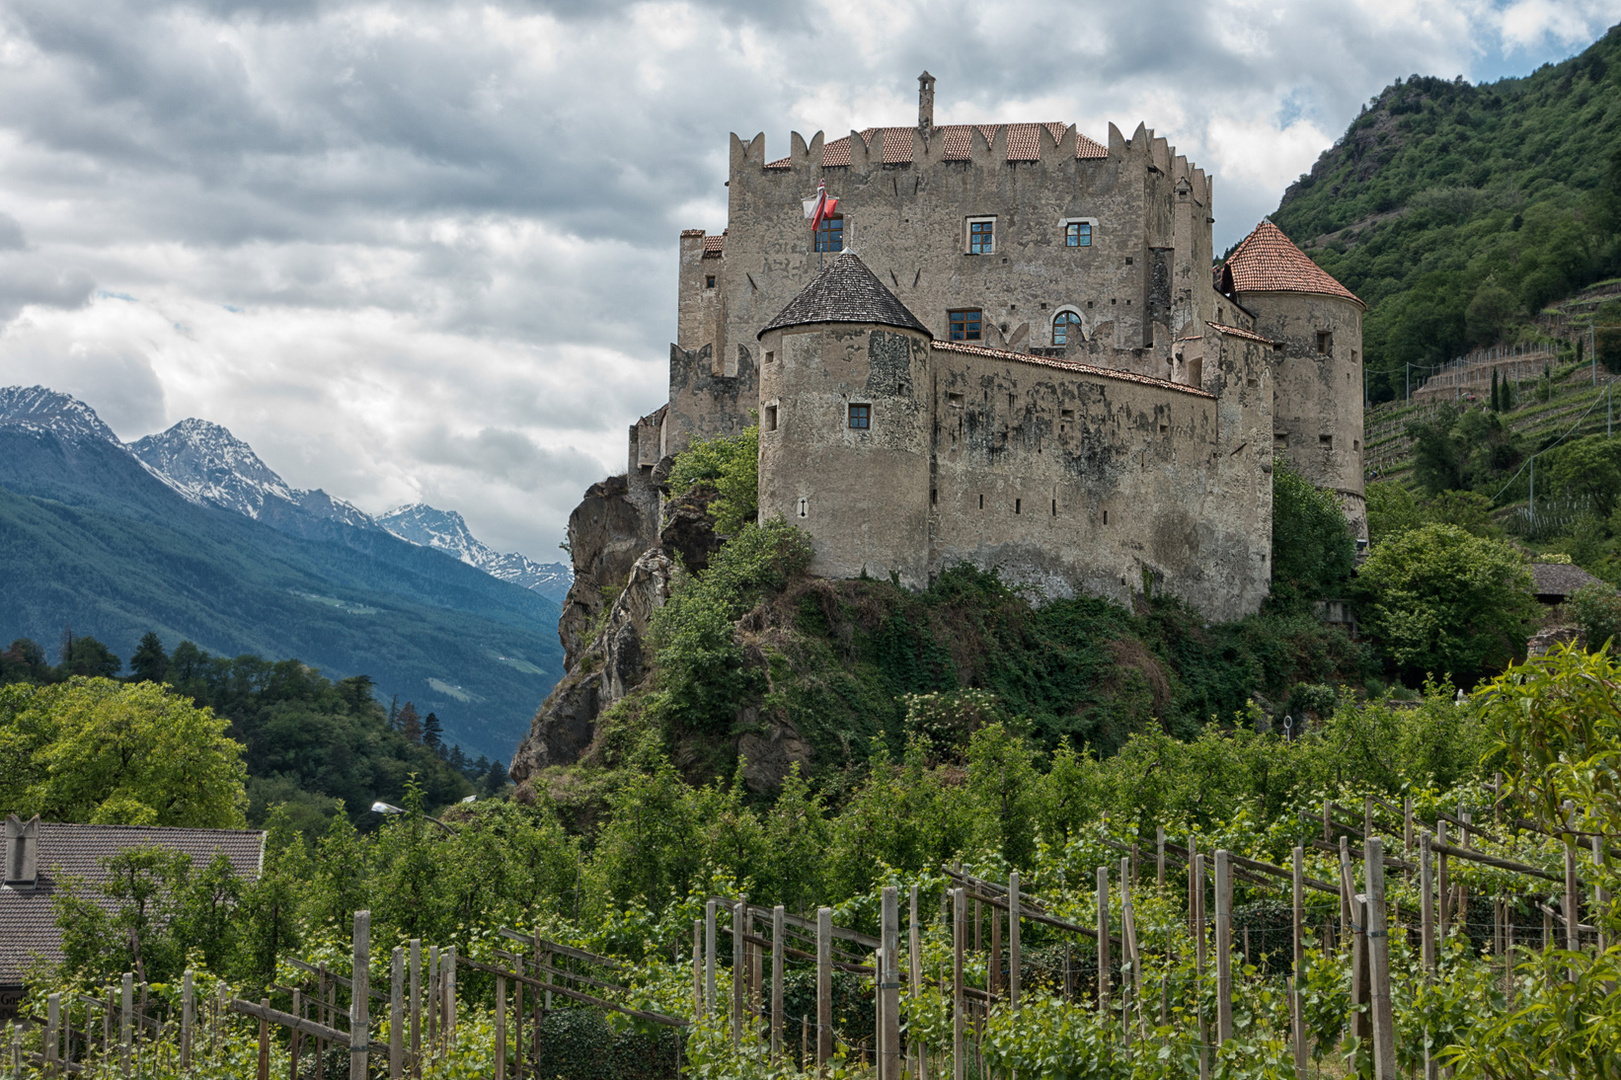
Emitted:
pixel 1010 347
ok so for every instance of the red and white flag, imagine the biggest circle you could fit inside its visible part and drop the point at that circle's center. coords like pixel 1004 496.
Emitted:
pixel 820 207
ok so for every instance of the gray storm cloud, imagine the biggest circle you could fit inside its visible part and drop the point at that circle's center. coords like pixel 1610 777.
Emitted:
pixel 427 250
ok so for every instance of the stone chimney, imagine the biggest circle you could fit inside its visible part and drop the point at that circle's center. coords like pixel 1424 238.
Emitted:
pixel 22 851
pixel 925 105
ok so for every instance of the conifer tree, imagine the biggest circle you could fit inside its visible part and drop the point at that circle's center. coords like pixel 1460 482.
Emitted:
pixel 150 663
pixel 432 733
pixel 1495 403
pixel 409 724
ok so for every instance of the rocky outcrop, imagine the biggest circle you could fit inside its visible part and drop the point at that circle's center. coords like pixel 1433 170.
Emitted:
pixel 613 661
pixel 688 532
pixel 607 533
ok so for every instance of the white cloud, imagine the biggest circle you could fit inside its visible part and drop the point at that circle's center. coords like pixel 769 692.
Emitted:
pixel 425 249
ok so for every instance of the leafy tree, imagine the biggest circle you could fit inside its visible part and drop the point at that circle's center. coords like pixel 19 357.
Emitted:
pixel 150 663
pixel 1005 789
pixel 730 466
pixel 89 657
pixel 1597 610
pixel 24 661
pixel 98 751
pixel 1313 550
pixel 1489 314
pixel 1438 460
pixel 1392 510
pixel 1438 600
pixel 1588 470
pixel 1468 510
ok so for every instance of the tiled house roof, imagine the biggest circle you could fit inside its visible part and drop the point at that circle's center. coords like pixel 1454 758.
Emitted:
pixel 1064 364
pixel 1555 581
pixel 1268 261
pixel 895 143
pixel 713 245
pixel 73 854
pixel 846 292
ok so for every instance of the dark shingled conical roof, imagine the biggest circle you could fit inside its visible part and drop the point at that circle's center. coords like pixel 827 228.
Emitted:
pixel 846 292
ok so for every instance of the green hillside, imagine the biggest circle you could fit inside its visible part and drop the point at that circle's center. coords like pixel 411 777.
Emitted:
pixel 1458 212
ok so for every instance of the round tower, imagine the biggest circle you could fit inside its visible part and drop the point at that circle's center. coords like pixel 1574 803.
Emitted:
pixel 845 425
pixel 1317 378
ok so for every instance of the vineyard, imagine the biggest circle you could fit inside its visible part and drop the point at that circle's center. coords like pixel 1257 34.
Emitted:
pixel 1310 924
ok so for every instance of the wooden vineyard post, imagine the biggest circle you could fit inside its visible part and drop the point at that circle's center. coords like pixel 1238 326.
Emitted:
pixel 752 951
pixel 697 971
pixel 739 969
pixel 1328 836
pixel 1193 900
pixel 1346 890
pixel 416 1007
pixel 1297 1015
pixel 396 1017
pixel 53 1034
pixel 1199 948
pixel 264 1039
pixel 1015 958
pixel 126 1005
pixel 995 959
pixel 1407 832
pixel 889 986
pixel 779 928
pixel 1159 857
pixel 1367 816
pixel 296 1039
pixel 1443 891
pixel 824 986
pixel 359 1003
pixel 1103 940
pixel 1572 922
pixel 1426 904
pixel 914 956
pixel 709 958
pixel 500 1031
pixel 517 1019
pixel 959 909
pixel 1384 1031
pixel 1224 947
pixel 188 1018
pixel 1358 920
pixel 1599 895
pixel 1132 985
pixel 431 1005
pixel 449 984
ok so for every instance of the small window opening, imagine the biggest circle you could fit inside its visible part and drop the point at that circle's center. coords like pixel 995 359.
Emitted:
pixel 1066 414
pixel 709 281
pixel 1128 260
pixel 1055 508
pixel 934 496
pixel 1105 517
pixel 830 234
pixel 981 236
pixel 1018 506
pixel 1066 323
pixel 954 400
pixel 770 356
pixel 1325 440
pixel 861 417
pixel 1164 428
pixel 1078 234
pixel 1324 340
pixel 1251 383
pixel 964 324
pixel 1356 444
pixel 1089 303
pixel 982 502
pixel 771 418
pixel 1280 440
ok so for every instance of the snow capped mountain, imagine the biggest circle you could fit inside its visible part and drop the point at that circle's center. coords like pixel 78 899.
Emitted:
pixel 208 465
pixel 41 409
pixel 445 530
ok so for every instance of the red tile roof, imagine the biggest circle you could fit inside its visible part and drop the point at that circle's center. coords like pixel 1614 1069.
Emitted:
pixel 1066 365
pixel 712 245
pixel 692 232
pixel 1268 261
pixel 895 144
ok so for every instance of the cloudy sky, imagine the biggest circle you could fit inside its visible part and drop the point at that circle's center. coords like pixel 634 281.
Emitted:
pixel 427 251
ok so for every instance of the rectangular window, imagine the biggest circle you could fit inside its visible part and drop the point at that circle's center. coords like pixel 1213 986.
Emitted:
pixel 1066 414
pixel 861 417
pixel 771 418
pixel 1324 340
pixel 1325 441
pixel 1280 440
pixel 964 324
pixel 1078 234
pixel 709 281
pixel 982 236
pixel 1018 506
pixel 954 400
pixel 830 234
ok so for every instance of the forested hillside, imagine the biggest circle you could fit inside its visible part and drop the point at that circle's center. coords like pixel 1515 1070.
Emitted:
pixel 1457 212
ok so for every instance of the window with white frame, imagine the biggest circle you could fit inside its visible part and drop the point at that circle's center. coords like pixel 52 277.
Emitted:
pixel 1078 232
pixel 982 236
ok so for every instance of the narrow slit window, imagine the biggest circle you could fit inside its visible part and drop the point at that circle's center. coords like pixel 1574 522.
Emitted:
pixel 1018 506
pixel 1324 341
pixel 771 418
pixel 982 502
pixel 860 417
pixel 1055 508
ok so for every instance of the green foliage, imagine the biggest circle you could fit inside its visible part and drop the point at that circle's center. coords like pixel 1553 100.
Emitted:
pixel 730 466
pixel 1597 609
pixel 1392 510
pixel 1440 601
pixel 1457 211
pixel 98 751
pixel 1313 550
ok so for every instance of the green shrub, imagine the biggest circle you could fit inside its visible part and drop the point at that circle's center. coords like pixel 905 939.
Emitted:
pixel 730 465
pixel 1313 550
pixel 1597 609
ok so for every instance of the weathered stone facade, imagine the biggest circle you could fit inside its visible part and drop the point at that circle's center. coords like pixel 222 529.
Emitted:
pixel 1142 428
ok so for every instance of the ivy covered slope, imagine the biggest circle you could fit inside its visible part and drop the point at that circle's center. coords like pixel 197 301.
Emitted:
pixel 753 658
pixel 1457 211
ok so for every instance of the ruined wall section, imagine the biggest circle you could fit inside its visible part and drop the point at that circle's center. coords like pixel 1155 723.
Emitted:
pixel 861 493
pixel 705 399
pixel 1091 482
pixel 1318 403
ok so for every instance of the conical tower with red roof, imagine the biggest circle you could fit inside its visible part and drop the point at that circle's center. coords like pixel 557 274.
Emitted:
pixel 1317 378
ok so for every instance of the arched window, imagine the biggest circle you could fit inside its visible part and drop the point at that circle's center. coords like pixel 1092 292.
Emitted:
pixel 830 234
pixel 1066 323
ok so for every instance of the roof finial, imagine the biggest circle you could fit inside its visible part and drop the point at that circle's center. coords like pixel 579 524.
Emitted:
pixel 925 104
